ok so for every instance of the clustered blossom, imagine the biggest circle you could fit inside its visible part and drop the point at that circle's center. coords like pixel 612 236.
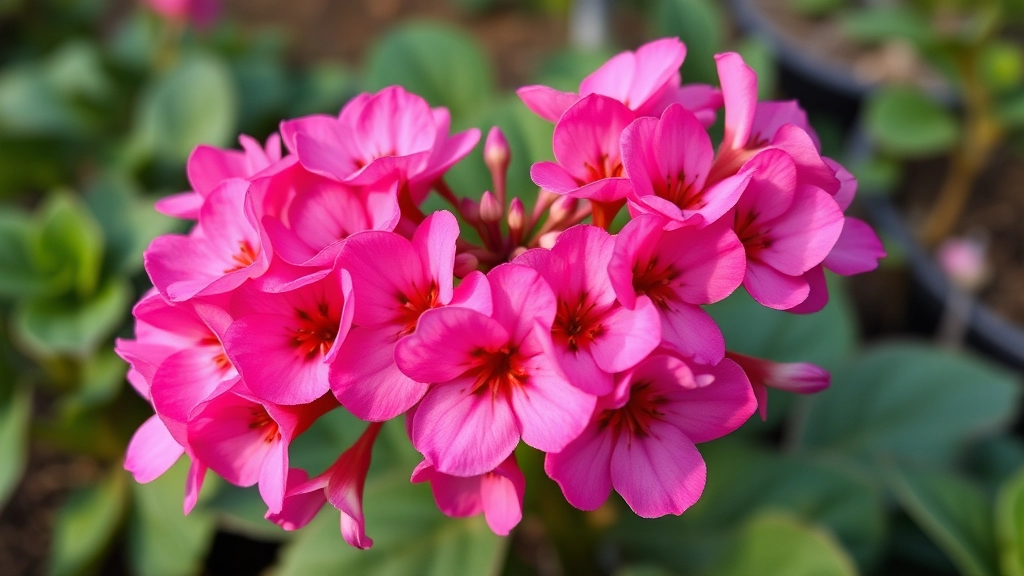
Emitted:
pixel 313 282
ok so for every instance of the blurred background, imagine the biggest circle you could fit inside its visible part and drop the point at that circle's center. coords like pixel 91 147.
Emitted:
pixel 911 463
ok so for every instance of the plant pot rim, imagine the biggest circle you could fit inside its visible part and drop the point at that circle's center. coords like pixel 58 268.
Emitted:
pixel 996 334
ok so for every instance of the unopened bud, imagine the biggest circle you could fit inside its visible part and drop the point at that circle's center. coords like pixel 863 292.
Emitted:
pixel 964 261
pixel 470 210
pixel 497 154
pixel 563 208
pixel 465 264
pixel 490 209
pixel 516 215
pixel 548 240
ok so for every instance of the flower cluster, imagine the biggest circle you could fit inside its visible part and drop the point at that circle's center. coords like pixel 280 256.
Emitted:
pixel 312 281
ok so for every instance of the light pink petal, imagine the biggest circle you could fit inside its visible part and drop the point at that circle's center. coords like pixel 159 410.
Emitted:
pixel 613 78
pixel 772 288
pixel 772 186
pixel 581 369
pixel 708 412
pixel 586 138
pixel 804 236
pixel 289 129
pixel 394 122
pixel 583 468
pixel 691 332
pixel 446 344
pixel 739 91
pixel 208 166
pixel 709 263
pixel 604 190
pixel 381 292
pixel 152 451
pixel 656 64
pixel 366 380
pixel 299 508
pixel 811 168
pixel 434 241
pixel 521 298
pixel 455 496
pixel 552 177
pixel 847 184
pixel 194 484
pixel 627 336
pixel 502 502
pixel 545 102
pixel 770 116
pixel 474 292
pixel 817 297
pixel 662 473
pixel 683 148
pixel 640 157
pixel 586 251
pixel 857 250
pixel 464 433
pixel 185 205
pixel 288 245
pixel 701 99
pixel 274 477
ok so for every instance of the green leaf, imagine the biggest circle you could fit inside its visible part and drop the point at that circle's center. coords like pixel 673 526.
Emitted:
pixel 162 541
pixel 103 376
pixel 1011 111
pixel 1010 526
pixel 193 103
pixel 322 89
pixel 30 105
pixel 76 70
pixel 410 536
pixel 564 70
pixel 1002 65
pixel 440 63
pixel 70 244
pixel 241 510
pixel 909 402
pixel 54 326
pixel 905 121
pixel 778 543
pixel 18 273
pixel 953 513
pixel 701 25
pixel 86 525
pixel 881 23
pixel 816 7
pixel 15 412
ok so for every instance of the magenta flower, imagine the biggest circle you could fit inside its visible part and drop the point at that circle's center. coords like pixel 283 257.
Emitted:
pixel 497 494
pixel 640 441
pixel 282 343
pixel 799 377
pixel 495 378
pixel 208 167
pixel 678 270
pixel 786 229
pixel 245 439
pixel 342 485
pixel 226 248
pixel 646 81
pixel 389 300
pixel 390 134
pixel 858 248
pixel 594 336
pixel 201 13
pixel 668 161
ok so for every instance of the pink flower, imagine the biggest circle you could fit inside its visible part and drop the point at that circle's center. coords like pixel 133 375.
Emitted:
pixel 208 167
pixel 668 161
pixel 283 343
pixel 586 145
pixel 799 377
pixel 226 248
pixel 498 494
pixel 858 248
pixel 341 485
pixel 646 81
pixel 678 270
pixel 389 299
pixel 594 336
pixel 202 13
pixel 640 441
pixel 495 378
pixel 390 134
pixel 787 230
pixel 245 440
pixel 965 262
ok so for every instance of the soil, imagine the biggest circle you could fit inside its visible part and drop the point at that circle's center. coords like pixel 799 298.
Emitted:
pixel 994 213
pixel 894 61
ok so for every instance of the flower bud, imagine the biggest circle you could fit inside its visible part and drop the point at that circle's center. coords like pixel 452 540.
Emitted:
pixel 563 208
pixel 497 154
pixel 490 209
pixel 470 210
pixel 965 262
pixel 516 215
pixel 465 264
pixel 548 240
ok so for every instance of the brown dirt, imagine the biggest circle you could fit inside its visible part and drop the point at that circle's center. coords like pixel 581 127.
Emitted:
pixel 994 212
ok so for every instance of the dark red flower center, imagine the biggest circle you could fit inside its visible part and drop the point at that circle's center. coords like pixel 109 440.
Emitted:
pixel 411 306
pixel 635 417
pixel 316 331
pixel 577 324
pixel 684 195
pixel 655 281
pixel 261 421
pixel 245 256
pixel 605 167
pixel 499 372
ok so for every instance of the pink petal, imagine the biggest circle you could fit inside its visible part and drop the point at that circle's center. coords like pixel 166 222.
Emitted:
pixel 812 169
pixel 772 288
pixel 802 238
pixel 434 241
pixel 552 177
pixel 656 63
pixel 772 186
pixel 857 250
pixel 394 122
pixel 847 184
pixel 662 473
pixel 381 292
pixel 189 377
pixel 185 205
pixel 455 496
pixel 640 156
pixel 588 134
pixel 446 344
pixel 521 298
pixel 545 102
pixel 502 501
pixel 683 147
pixel 299 508
pixel 691 332
pixel 152 451
pixel 222 437
pixel 709 263
pixel 613 78
pixel 583 468
pixel 208 166
pixel 708 412
pixel 473 292
pixel 193 485
pixel 771 116
pixel 366 380
pixel 628 336
pixel 274 477
pixel 721 197
pixel 635 243
pixel 739 91
pixel 817 297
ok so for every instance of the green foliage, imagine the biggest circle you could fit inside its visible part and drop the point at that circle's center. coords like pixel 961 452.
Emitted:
pixel 887 22
pixel 816 7
pixel 1009 514
pixel 701 25
pixel 86 525
pixel 15 411
pixel 954 513
pixel 907 122
pixel 437 62
pixel 774 543
pixel 911 403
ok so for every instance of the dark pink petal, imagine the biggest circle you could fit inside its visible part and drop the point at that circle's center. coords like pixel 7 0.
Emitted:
pixel 857 250
pixel 720 198
pixel 709 263
pixel 581 369
pixel 640 157
pixel 345 487
pixel 739 91
pixel 847 184
pixel 434 241
pixel 274 477
pixel 707 412
pixel 545 102
pixel 455 496
pixel 817 297
pixel 152 451
pixel 521 299
pixel 185 205
pixel 683 147
pixel 772 288
pixel 366 380
pixel 394 122
pixel 583 468
pixel 474 292
pixel 208 167
pixel 586 138
pixel 635 244
pixel 690 331
pixel 381 292
pixel 552 177
pixel 502 497
pixel 300 507
pixel 772 186
pixel 771 116
pixel 446 344
pixel 450 151
pixel 193 485
pixel 661 473
pixel 223 437
pixel 627 337
pixel 811 168
pixel 189 377
pixel 802 238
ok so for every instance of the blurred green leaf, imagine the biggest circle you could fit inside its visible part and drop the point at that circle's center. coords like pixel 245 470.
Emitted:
pixel 263 89
pixel 1002 65
pixel 440 63
pixel 877 175
pixel 778 543
pixel 880 23
pixel 30 105
pixel 128 220
pixel 907 122
pixel 826 338
pixel 816 7
pixel 954 514
pixel 193 103
pixel 241 510
pixel 134 42
pixel 410 537
pixel 1011 111
pixel 15 413
pixel 54 326
pixel 910 402
pixel 322 89
pixel 564 70
pixel 103 376
pixel 86 525
pixel 1010 526
pixel 76 70
pixel 162 541
pixel 70 243
pixel 18 274
pixel 701 25
pixel 758 55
